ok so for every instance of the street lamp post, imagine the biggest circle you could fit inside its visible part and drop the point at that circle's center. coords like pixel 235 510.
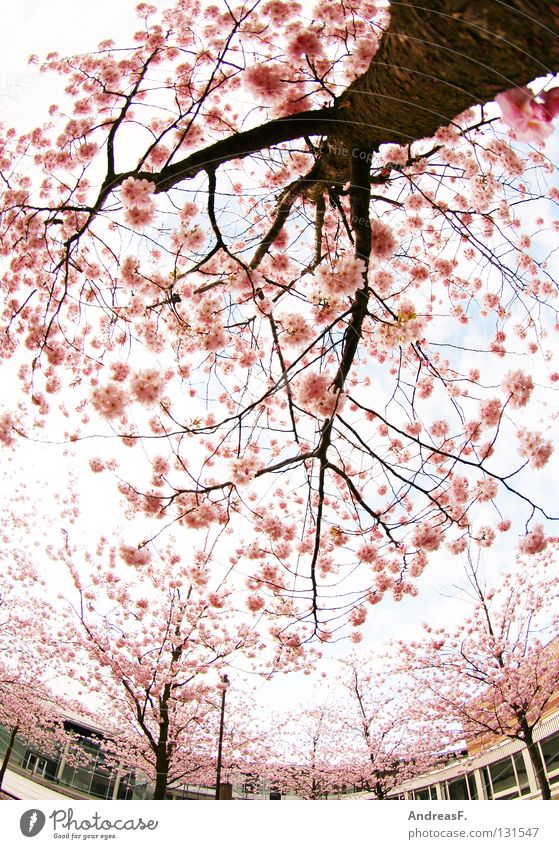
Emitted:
pixel 225 681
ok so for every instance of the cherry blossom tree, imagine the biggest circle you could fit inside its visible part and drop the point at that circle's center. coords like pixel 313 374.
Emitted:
pixel 148 641
pixel 248 743
pixel 388 745
pixel 282 253
pixel 497 671
pixel 28 707
pixel 307 759
pixel 363 736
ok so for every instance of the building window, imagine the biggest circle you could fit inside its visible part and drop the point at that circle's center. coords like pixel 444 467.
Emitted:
pixel 487 789
pixel 102 783
pixel 523 780
pixel 126 786
pixel 458 788
pixel 463 787
pixel 424 793
pixel 472 786
pixel 40 765
pixel 550 754
pixel 505 779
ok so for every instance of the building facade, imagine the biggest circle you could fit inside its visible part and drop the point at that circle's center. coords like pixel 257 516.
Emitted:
pixel 80 767
pixel 498 772
pixel 501 771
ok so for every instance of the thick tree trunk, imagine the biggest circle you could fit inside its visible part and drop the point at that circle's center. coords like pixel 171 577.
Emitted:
pixel 162 761
pixel 537 763
pixel 8 754
pixel 437 59
pixel 162 769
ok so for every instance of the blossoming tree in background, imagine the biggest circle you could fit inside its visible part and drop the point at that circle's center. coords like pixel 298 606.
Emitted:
pixel 498 671
pixel 388 743
pixel 284 254
pixel 308 757
pixel 365 736
pixel 28 707
pixel 148 643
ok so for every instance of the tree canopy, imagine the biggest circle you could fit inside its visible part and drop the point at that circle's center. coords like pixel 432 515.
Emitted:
pixel 291 259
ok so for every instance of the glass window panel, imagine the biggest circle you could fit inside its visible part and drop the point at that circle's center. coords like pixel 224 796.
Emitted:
pixel 523 781
pixel 51 768
pixel 502 775
pixel 76 777
pixel 19 751
pixel 30 761
pixel 486 783
pixel 472 785
pixel 422 794
pixel 458 788
pixel 67 774
pixel 4 739
pixel 550 752
pixel 124 788
pixel 100 785
pixel 140 789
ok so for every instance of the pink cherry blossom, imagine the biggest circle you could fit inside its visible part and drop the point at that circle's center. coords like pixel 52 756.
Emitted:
pixel 485 536
pixel 533 446
pixel 139 216
pixel 244 468
pixel 534 542
pixel 265 81
pixel 486 489
pixel 490 412
pixel 6 426
pixel 304 44
pixel 494 672
pixel 343 279
pixel 146 386
pixel 358 616
pixel 135 556
pixel 316 394
pixel 255 602
pixel 190 295
pixel 518 386
pixel 550 100
pixel 427 537
pixel 137 193
pixel 530 120
pixel 110 401
pixel 384 241
pixel 367 553
pixel 297 330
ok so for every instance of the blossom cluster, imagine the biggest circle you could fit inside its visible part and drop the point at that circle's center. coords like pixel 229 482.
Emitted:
pixel 136 195
pixel 519 387
pixel 343 279
pixel 334 44
pixel 316 394
pixel 407 328
pixel 531 119
pixel 533 446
